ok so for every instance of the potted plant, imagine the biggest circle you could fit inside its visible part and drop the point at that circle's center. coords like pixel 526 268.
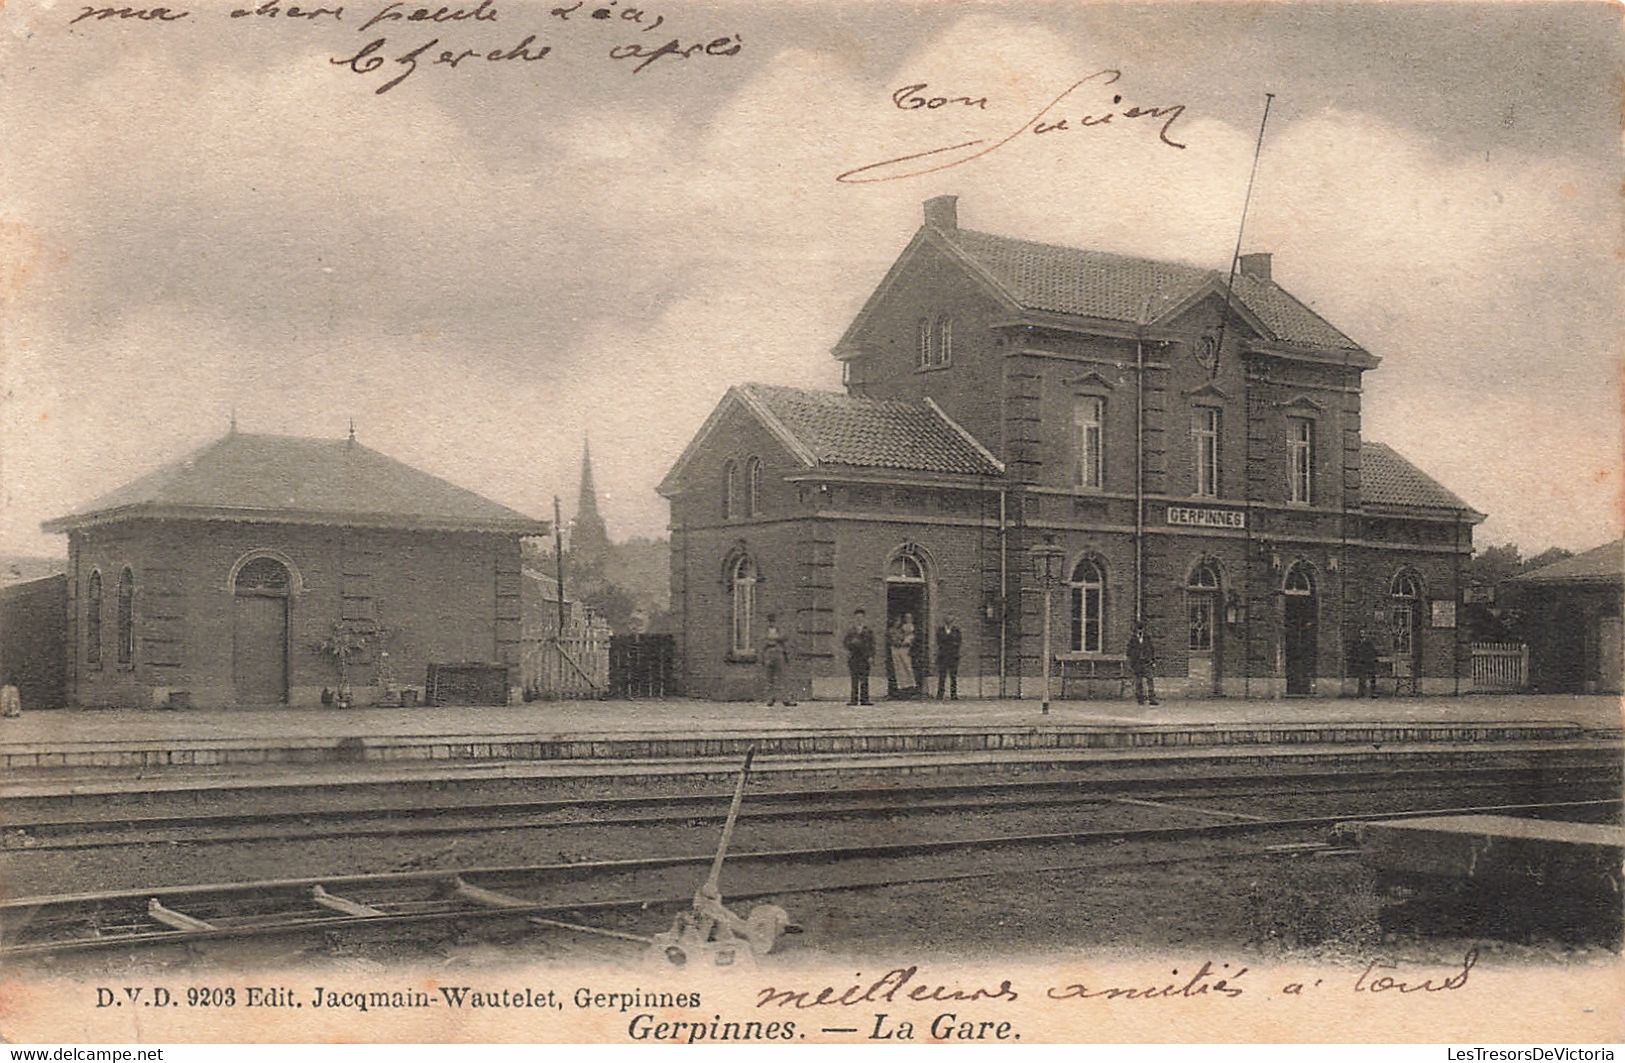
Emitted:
pixel 339 647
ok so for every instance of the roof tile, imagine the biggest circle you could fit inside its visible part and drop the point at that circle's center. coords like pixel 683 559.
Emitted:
pixel 270 475
pixel 839 429
pixel 1070 280
pixel 1386 479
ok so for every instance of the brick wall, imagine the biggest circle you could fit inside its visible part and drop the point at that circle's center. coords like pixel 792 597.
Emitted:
pixel 446 597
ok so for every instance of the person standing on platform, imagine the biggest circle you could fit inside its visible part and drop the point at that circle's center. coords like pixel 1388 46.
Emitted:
pixel 11 701
pixel 859 643
pixel 1363 659
pixel 902 656
pixel 949 640
pixel 1142 660
pixel 776 662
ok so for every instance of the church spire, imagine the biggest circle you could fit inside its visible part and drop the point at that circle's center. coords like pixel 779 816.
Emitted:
pixel 589 539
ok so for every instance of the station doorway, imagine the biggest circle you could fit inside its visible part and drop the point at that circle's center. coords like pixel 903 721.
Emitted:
pixel 1299 636
pixel 906 599
pixel 259 665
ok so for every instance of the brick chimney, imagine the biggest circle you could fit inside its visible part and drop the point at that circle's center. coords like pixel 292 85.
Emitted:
pixel 1256 265
pixel 942 212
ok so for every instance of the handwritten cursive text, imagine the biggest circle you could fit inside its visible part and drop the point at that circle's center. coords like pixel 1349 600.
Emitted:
pixel 1047 120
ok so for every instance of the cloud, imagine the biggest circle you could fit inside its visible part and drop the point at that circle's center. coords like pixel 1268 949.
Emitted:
pixel 479 286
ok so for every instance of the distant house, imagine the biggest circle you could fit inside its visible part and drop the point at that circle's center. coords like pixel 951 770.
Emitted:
pixel 1570 611
pixel 216 579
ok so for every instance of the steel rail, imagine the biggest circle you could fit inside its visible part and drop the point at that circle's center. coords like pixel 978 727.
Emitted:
pixel 829 810
pixel 36 834
pixel 26 909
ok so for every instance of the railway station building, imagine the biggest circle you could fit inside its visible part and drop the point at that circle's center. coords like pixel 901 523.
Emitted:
pixel 1197 465
pixel 226 578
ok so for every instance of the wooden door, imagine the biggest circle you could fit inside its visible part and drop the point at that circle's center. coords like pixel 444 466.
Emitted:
pixel 260 652
pixel 1300 644
pixel 1610 654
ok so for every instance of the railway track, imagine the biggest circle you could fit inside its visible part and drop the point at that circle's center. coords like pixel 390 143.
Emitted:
pixel 46 834
pixel 544 894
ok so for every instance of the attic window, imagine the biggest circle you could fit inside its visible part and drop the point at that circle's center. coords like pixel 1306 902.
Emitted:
pixel 942 342
pixel 730 489
pixel 753 487
pixel 922 344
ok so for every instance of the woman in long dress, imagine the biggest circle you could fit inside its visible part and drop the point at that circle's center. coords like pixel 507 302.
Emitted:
pixel 902 656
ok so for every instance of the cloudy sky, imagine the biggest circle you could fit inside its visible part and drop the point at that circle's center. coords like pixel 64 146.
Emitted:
pixel 490 260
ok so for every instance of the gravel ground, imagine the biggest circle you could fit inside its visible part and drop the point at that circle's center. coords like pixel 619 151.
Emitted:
pixel 1199 893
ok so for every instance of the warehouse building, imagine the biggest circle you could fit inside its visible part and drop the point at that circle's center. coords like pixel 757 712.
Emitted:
pixel 1021 417
pixel 265 570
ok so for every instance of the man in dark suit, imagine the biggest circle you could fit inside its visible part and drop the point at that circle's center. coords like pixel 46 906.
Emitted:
pixel 949 639
pixel 1142 660
pixel 859 643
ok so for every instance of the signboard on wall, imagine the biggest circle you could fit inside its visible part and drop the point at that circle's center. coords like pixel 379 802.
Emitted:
pixel 1203 517
pixel 1444 613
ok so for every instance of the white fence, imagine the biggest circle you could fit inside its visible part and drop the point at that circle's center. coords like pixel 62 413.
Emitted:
pixel 575 665
pixel 1500 666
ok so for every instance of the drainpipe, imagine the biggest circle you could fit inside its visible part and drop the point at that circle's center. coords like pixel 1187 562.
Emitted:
pixel 1139 475
pixel 1004 591
pixel 1455 655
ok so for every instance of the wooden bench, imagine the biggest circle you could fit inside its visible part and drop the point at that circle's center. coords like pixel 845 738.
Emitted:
pixel 1091 669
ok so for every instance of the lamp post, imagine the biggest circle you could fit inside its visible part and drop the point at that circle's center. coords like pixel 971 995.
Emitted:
pixel 1046 559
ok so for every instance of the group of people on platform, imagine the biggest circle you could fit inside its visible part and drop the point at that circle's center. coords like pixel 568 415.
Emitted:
pixel 903 648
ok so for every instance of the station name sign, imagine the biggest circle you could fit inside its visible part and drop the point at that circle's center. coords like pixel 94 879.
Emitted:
pixel 1195 517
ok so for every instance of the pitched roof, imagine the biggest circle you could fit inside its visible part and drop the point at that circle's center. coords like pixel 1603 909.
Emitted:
pixel 291 479
pixel 838 429
pixel 1602 564
pixel 833 428
pixel 1386 479
pixel 1070 280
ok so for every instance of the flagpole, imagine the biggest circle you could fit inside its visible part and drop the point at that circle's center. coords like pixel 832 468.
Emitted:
pixel 1246 405
pixel 1235 257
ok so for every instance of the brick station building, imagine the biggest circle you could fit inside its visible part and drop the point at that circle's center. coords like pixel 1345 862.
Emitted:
pixel 1202 468
pixel 213 580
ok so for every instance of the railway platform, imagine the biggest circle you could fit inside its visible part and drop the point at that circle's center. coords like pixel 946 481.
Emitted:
pixel 100 751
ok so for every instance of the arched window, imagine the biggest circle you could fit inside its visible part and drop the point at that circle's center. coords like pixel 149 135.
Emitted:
pixel 942 347
pixel 905 568
pixel 922 343
pixel 93 621
pixel 1299 579
pixel 263 575
pixel 1405 613
pixel 1088 606
pixel 1202 605
pixel 742 582
pixel 730 505
pixel 126 617
pixel 753 487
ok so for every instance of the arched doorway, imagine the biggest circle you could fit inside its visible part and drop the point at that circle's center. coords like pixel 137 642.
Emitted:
pixel 1405 626
pixel 259 662
pixel 1203 630
pixel 908 598
pixel 1300 643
